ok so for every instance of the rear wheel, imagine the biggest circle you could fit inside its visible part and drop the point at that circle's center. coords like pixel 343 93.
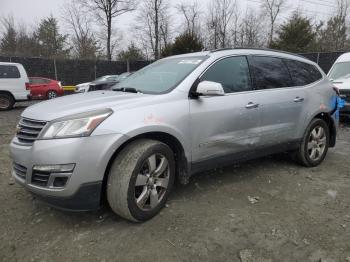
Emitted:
pixel 314 146
pixel 6 102
pixel 141 179
pixel 51 94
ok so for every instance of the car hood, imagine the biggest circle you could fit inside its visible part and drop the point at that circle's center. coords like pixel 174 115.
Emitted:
pixel 342 83
pixel 83 84
pixel 79 103
pixel 103 82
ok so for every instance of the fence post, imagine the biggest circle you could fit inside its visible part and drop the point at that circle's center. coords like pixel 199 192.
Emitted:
pixel 127 65
pixel 318 57
pixel 55 68
pixel 95 69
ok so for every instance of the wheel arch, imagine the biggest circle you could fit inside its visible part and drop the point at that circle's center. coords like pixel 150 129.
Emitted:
pixel 331 125
pixel 7 93
pixel 182 164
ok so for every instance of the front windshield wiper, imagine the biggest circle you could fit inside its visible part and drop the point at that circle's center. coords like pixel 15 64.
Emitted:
pixel 127 90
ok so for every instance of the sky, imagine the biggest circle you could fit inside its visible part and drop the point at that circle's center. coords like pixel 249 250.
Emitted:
pixel 30 12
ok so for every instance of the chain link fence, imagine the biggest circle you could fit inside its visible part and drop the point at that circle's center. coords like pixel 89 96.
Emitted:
pixel 72 72
pixel 324 60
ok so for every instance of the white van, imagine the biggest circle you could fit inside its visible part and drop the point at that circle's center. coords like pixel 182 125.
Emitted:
pixel 340 76
pixel 14 85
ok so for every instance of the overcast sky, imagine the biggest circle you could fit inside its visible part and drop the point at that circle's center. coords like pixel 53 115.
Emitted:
pixel 31 11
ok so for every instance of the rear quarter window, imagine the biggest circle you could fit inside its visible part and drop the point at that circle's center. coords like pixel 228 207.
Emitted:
pixel 9 71
pixel 303 73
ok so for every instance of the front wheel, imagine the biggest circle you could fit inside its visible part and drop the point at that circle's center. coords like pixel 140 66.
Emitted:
pixel 314 146
pixel 141 179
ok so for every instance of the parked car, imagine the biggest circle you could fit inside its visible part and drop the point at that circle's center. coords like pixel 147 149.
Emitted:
pixel 174 118
pixel 45 88
pixel 84 87
pixel 14 85
pixel 107 84
pixel 124 76
pixel 340 76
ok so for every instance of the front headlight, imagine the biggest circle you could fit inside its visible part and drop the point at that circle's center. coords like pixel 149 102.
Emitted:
pixel 75 126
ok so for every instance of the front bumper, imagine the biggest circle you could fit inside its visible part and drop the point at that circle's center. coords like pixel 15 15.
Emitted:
pixel 82 190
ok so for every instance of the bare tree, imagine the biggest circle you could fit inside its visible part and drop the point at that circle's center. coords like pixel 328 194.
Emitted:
pixel 153 26
pixel 106 11
pixel 219 20
pixel 85 46
pixel 251 33
pixel 332 35
pixel 8 43
pixel 191 14
pixel 212 26
pixel 272 8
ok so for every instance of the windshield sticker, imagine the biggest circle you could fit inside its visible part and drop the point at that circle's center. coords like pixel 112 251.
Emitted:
pixel 191 62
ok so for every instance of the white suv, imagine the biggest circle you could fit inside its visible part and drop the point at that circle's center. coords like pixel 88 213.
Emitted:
pixel 14 85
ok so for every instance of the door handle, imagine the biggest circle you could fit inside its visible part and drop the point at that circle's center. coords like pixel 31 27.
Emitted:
pixel 298 99
pixel 251 105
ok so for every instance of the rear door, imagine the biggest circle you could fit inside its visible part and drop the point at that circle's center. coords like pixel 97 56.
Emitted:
pixel 225 125
pixel 38 87
pixel 281 102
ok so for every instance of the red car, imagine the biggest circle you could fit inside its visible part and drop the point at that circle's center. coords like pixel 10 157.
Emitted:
pixel 44 88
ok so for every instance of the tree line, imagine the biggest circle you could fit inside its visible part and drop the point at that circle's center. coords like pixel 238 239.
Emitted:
pixel 91 31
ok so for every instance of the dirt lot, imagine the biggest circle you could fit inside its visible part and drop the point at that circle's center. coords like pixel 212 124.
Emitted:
pixel 265 210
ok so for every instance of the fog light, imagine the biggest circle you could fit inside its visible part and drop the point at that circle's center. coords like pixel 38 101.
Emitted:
pixel 60 181
pixel 54 168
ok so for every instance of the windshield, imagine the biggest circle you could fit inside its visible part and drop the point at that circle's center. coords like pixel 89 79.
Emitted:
pixel 161 76
pixel 340 70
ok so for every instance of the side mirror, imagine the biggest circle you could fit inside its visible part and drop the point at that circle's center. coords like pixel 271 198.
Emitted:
pixel 208 88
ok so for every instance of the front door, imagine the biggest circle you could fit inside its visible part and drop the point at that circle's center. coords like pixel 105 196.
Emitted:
pixel 225 125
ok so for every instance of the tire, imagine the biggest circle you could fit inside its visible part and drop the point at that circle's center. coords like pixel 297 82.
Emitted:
pixel 6 102
pixel 51 94
pixel 315 143
pixel 138 163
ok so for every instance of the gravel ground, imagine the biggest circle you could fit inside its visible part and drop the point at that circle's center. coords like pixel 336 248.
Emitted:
pixel 269 209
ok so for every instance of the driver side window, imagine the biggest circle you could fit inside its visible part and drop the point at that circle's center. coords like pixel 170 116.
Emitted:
pixel 232 73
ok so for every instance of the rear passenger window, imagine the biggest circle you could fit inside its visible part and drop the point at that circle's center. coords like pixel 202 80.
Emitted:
pixel 270 72
pixel 232 73
pixel 9 71
pixel 303 73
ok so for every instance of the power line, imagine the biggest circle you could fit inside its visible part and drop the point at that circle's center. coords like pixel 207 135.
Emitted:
pixel 328 2
pixel 315 3
pixel 316 12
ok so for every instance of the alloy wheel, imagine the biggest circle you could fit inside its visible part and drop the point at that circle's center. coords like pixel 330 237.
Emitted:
pixel 152 182
pixel 317 143
pixel 4 103
pixel 51 95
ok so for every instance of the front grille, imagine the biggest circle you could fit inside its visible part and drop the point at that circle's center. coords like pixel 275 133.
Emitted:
pixel 40 178
pixel 345 94
pixel 20 170
pixel 28 130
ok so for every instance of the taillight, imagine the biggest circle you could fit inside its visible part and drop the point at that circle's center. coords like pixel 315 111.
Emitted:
pixel 336 90
pixel 27 86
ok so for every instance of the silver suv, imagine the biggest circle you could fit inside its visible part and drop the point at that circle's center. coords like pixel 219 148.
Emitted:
pixel 176 117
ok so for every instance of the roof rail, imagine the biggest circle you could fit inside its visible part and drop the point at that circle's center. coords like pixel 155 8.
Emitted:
pixel 255 48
